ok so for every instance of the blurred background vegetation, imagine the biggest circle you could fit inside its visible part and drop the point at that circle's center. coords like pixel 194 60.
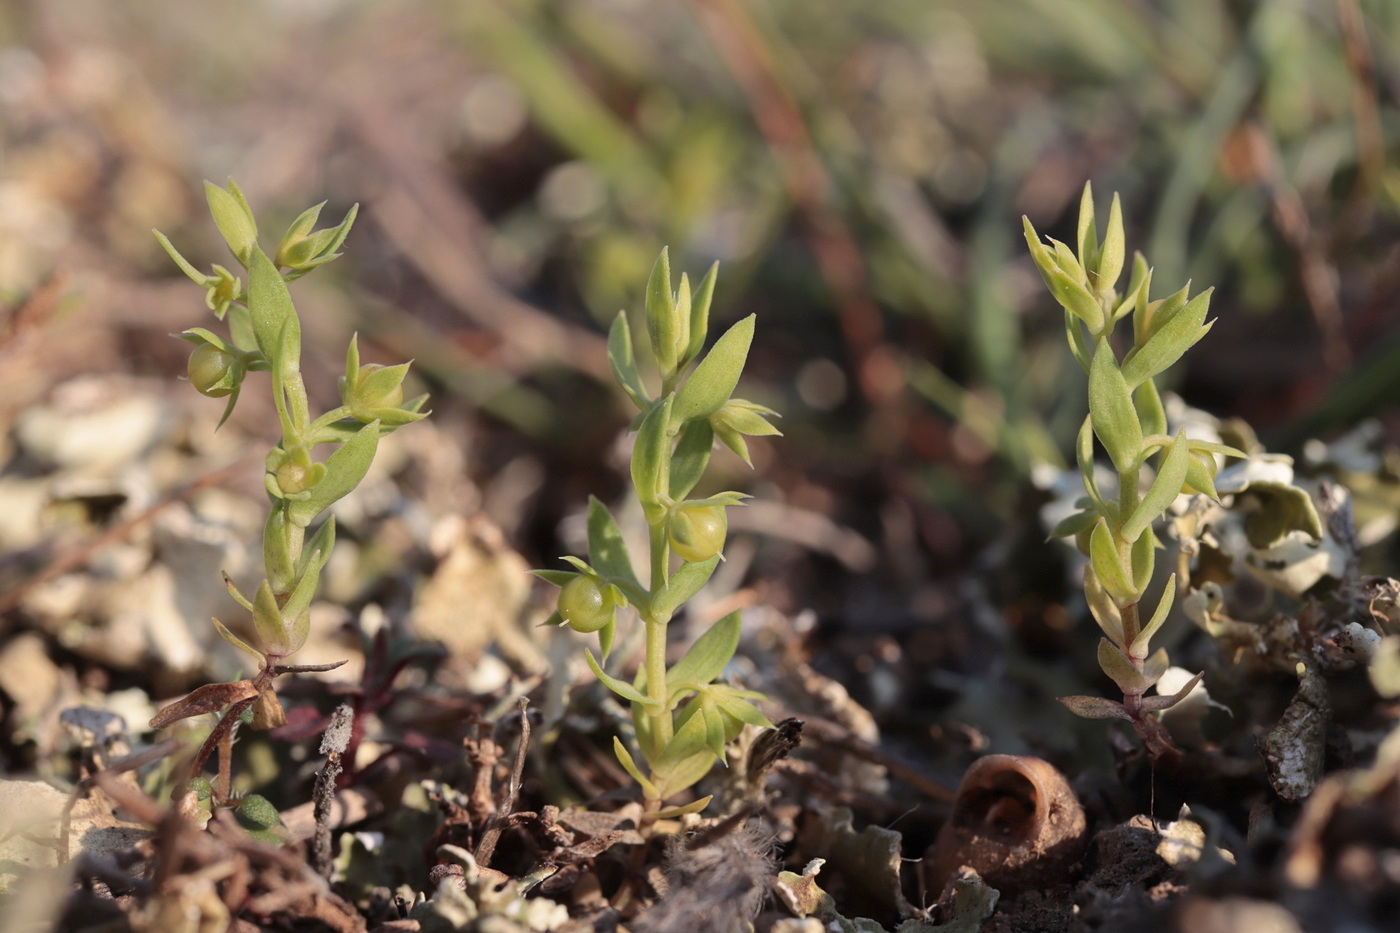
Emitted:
pixel 858 168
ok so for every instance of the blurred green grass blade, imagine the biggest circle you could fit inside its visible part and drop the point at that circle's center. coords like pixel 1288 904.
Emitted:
pixel 560 101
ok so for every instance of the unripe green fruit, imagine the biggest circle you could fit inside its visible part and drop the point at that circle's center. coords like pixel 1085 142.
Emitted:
pixel 292 477
pixel 209 368
pixel 697 533
pixel 585 604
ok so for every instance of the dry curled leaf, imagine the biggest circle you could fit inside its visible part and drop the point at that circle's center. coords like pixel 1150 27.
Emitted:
pixel 207 699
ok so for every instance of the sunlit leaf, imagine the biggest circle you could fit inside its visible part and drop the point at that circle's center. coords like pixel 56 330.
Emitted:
pixel 1111 407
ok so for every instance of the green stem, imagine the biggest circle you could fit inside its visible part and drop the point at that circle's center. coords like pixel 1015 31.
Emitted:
pixel 325 421
pixel 298 407
pixel 1132 626
pixel 661 726
pixel 1127 500
pixel 296 537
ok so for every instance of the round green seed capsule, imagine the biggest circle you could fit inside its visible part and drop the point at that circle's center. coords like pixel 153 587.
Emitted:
pixel 697 533
pixel 209 371
pixel 293 478
pixel 585 604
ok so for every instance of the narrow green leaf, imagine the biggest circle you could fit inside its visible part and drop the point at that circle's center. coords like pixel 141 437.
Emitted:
pixel 624 362
pixel 234 640
pixel 1171 474
pixel 714 730
pixel 1086 236
pixel 344 470
pixel 727 498
pixel 305 590
pixel 555 577
pixel 1074 524
pixel 304 223
pixel 1138 648
pixel 607 551
pixel 1213 447
pixel 1066 262
pixel 1169 342
pixel 1200 475
pixel 691 456
pixel 651 456
pixel 1078 342
pixel 1141 304
pixel 688 742
pixel 237 595
pixel 684 583
pixel 624 758
pixel 342 229
pixel 1041 256
pixel 747 418
pixel 1138 287
pixel 1102 607
pixel 199 278
pixel 1112 252
pixel 713 381
pixel 682 314
pixel 267 618
pixel 621 687
pixel 695 806
pixel 700 312
pixel 201 335
pixel 1084 455
pixel 743 711
pixel 583 566
pixel 1144 558
pixel 233 219
pixel 713 650
pixel 1111 408
pixel 277 560
pixel 1148 405
pixel 663 326
pixel 323 540
pixel 1109 569
pixel 1075 298
pixel 606 636
pixel 270 306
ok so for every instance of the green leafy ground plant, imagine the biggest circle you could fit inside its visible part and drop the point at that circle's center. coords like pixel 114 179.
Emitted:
pixel 684 717
pixel 1127 420
pixel 264 335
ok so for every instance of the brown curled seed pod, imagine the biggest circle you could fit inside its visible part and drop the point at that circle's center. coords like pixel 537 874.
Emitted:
pixel 1015 821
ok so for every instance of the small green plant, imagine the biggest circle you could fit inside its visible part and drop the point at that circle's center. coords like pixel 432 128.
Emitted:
pixel 683 717
pixel 1127 418
pixel 264 335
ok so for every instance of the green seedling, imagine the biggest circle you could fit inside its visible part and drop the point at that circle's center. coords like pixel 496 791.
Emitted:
pixel 264 335
pixel 1127 421
pixel 684 716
